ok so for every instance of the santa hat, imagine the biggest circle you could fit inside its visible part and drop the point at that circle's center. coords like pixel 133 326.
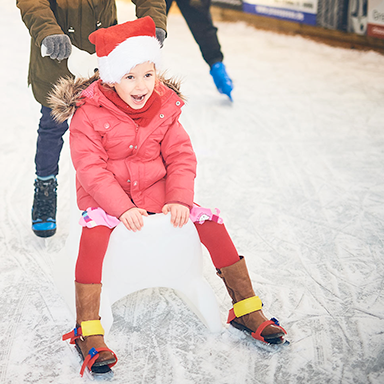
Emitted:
pixel 121 47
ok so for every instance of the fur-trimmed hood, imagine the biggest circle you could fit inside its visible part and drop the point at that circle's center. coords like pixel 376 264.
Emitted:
pixel 67 94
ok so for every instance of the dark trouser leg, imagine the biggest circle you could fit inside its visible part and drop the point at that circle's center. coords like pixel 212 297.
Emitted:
pixel 48 148
pixel 49 144
pixel 198 17
pixel 168 4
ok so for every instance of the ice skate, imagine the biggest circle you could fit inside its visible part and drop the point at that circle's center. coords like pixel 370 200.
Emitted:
pixel 222 81
pixel 88 336
pixel 247 314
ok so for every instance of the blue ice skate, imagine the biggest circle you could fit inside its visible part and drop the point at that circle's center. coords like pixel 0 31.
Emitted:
pixel 222 81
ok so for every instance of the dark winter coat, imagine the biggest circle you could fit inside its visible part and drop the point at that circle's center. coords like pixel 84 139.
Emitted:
pixel 77 19
pixel 120 164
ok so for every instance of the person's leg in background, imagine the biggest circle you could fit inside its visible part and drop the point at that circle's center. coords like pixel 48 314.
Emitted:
pixel 48 148
pixel 198 17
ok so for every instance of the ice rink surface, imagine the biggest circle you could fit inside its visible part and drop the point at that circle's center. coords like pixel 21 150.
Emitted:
pixel 296 165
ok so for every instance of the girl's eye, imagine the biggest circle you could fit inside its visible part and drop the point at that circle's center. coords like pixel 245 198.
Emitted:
pixel 148 75
pixel 129 77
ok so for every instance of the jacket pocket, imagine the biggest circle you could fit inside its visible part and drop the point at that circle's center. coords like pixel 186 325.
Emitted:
pixel 118 138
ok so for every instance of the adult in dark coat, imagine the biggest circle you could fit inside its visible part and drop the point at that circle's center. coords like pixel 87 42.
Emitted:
pixel 57 25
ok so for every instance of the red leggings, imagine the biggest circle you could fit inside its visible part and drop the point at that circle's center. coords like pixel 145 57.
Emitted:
pixel 94 244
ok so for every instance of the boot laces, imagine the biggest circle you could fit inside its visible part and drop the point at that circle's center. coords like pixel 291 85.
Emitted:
pixel 45 199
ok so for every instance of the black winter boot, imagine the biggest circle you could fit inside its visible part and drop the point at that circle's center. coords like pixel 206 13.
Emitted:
pixel 44 207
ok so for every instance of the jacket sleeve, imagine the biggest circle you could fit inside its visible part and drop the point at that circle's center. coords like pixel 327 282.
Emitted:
pixel 90 161
pixel 154 8
pixel 39 19
pixel 180 162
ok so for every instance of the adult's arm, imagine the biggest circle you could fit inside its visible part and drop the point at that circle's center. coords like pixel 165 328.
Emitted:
pixel 156 9
pixel 39 19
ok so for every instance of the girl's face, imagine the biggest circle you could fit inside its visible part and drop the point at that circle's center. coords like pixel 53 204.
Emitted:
pixel 137 86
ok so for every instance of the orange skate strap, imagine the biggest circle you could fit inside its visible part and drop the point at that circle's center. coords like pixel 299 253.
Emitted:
pixel 92 357
pixel 257 335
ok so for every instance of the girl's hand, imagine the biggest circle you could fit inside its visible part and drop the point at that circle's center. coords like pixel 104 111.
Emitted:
pixel 179 214
pixel 132 218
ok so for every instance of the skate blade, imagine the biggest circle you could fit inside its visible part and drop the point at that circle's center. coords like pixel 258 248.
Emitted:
pixel 98 373
pixel 268 347
pixel 92 376
pixel 107 376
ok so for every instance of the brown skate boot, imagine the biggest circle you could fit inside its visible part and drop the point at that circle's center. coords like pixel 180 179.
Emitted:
pixel 88 336
pixel 246 313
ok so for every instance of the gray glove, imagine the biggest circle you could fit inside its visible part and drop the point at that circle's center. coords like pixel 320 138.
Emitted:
pixel 58 46
pixel 161 35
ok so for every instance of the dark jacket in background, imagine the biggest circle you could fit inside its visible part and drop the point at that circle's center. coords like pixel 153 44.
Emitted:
pixel 77 19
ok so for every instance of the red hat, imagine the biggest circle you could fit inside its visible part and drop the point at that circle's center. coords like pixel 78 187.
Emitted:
pixel 121 47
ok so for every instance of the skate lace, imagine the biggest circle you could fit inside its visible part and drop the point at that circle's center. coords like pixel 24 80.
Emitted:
pixel 45 199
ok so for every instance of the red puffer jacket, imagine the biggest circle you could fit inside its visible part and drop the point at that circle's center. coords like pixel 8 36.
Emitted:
pixel 120 165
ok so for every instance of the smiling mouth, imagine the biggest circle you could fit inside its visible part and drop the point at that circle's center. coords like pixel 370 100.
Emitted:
pixel 138 98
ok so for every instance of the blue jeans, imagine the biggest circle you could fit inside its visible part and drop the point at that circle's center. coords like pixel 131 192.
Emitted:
pixel 49 144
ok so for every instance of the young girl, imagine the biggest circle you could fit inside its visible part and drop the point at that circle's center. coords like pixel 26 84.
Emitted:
pixel 133 158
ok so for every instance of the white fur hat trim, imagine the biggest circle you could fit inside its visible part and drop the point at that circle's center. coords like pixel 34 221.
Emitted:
pixel 131 52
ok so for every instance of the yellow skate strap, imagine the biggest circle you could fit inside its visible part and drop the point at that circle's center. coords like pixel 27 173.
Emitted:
pixel 91 327
pixel 246 306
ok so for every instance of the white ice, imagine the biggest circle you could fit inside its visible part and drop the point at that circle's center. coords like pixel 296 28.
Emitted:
pixel 296 165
